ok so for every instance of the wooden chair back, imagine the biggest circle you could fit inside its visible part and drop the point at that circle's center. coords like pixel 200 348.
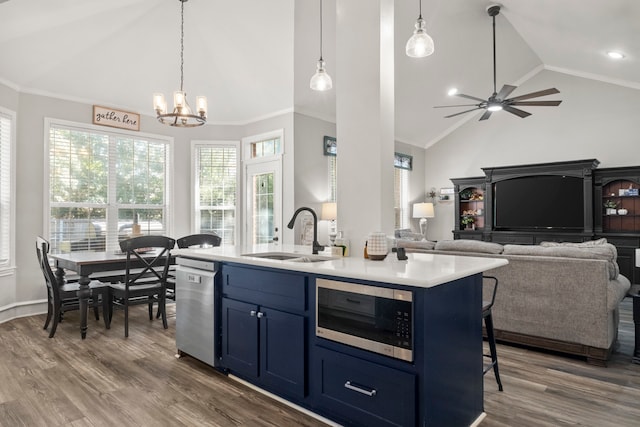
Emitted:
pixel 154 269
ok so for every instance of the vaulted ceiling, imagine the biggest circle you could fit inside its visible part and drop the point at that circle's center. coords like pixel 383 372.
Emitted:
pixel 254 58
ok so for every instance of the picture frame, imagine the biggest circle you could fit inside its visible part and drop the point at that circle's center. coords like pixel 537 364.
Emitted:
pixel 403 161
pixel 330 146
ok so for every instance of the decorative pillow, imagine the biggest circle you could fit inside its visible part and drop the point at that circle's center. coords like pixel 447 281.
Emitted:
pixel 399 231
pixel 424 244
pixel 605 251
pixel 408 235
pixel 463 245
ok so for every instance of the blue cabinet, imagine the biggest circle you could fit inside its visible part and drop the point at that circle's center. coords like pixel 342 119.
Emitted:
pixel 264 328
pixel 363 393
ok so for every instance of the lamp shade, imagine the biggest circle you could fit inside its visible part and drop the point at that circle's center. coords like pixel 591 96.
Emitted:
pixel 423 210
pixel 637 257
pixel 329 211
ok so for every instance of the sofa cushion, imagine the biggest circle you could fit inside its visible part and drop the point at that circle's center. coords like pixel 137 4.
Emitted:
pixel 605 252
pixel 588 243
pixel 463 245
pixel 412 244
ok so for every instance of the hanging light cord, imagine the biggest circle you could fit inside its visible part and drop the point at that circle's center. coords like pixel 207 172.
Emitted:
pixel 494 54
pixel 320 30
pixel 420 8
pixel 182 45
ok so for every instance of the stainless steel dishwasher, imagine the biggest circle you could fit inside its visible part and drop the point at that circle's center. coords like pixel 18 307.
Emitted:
pixel 195 309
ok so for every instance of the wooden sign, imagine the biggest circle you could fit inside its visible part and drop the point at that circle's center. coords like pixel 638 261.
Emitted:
pixel 115 118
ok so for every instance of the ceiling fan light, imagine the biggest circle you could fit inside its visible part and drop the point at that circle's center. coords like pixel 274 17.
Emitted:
pixel 420 44
pixel 321 80
pixel 615 55
pixel 494 107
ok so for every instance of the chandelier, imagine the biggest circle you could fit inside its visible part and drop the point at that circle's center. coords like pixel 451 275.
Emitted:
pixel 182 115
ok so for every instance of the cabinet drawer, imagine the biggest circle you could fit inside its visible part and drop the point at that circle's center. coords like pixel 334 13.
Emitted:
pixel 264 286
pixel 372 394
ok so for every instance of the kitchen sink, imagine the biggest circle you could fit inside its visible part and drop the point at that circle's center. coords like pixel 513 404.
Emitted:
pixel 287 256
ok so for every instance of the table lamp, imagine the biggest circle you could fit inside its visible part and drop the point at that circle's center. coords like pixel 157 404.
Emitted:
pixel 330 213
pixel 423 211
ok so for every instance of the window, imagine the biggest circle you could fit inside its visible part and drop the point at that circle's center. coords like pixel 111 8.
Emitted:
pixel 105 186
pixel 7 119
pixel 333 178
pixel 401 197
pixel 216 189
pixel 265 148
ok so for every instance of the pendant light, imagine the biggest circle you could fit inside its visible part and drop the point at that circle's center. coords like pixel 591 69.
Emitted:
pixel 321 81
pixel 420 44
pixel 182 115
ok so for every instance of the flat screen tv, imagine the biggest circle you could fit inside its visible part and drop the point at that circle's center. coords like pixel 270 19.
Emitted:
pixel 553 202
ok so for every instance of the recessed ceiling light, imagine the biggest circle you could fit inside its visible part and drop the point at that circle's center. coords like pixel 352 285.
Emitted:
pixel 452 91
pixel 615 55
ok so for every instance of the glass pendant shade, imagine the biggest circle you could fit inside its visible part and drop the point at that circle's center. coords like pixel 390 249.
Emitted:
pixel 420 44
pixel 321 80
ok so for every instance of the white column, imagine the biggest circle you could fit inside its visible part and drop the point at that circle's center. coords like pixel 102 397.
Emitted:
pixel 365 118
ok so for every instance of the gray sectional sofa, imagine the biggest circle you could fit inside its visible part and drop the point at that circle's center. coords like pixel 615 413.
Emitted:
pixel 555 296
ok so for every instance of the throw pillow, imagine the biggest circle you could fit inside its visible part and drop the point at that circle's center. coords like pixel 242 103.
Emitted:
pixel 588 243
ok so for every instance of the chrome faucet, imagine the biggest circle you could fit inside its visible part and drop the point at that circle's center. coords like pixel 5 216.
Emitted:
pixel 316 246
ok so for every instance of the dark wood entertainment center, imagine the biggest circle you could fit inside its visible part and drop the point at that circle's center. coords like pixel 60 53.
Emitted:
pixel 620 225
pixel 474 198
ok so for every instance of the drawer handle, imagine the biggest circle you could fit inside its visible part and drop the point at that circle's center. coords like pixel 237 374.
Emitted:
pixel 353 301
pixel 260 314
pixel 369 393
pixel 252 313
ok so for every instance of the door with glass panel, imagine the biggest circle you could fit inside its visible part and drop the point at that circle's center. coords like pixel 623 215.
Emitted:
pixel 263 202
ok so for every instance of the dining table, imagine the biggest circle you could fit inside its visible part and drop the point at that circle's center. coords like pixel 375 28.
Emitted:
pixel 106 266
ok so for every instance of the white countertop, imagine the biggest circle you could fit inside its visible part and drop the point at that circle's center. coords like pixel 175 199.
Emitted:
pixel 420 270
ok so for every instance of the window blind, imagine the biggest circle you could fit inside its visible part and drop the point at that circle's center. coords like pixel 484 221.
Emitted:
pixel 401 196
pixel 5 188
pixel 104 187
pixel 333 178
pixel 216 190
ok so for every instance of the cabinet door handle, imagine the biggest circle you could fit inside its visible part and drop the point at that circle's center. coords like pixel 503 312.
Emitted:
pixel 260 314
pixel 369 393
pixel 252 313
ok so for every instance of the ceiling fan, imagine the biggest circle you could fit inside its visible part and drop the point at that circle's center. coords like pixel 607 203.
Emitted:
pixel 499 101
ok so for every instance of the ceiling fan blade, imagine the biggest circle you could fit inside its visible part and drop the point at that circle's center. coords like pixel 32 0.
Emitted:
pixel 462 112
pixel 486 115
pixel 516 111
pixel 538 103
pixel 458 105
pixel 505 91
pixel 535 94
pixel 471 97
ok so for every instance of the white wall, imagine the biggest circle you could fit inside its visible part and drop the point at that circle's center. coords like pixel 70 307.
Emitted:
pixel 595 120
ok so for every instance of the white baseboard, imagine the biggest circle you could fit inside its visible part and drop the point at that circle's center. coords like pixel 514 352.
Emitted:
pixel 22 309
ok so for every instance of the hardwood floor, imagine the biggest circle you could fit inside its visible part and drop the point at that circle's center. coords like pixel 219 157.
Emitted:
pixel 108 380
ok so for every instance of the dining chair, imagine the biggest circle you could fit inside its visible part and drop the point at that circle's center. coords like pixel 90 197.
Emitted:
pixel 145 279
pixel 193 240
pixel 63 297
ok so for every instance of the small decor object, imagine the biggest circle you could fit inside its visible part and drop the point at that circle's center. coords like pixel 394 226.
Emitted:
pixel 115 118
pixel 611 207
pixel 622 211
pixel 446 194
pixel 377 248
pixel 632 192
pixel 468 222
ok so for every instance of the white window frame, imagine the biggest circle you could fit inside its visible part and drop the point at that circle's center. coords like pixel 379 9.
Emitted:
pixel 112 132
pixel 8 195
pixel 403 209
pixel 195 197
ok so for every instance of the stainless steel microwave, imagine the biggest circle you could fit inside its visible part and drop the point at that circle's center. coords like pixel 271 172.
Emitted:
pixel 373 318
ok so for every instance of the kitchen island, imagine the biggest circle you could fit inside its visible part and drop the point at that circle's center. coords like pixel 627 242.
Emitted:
pixel 360 342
